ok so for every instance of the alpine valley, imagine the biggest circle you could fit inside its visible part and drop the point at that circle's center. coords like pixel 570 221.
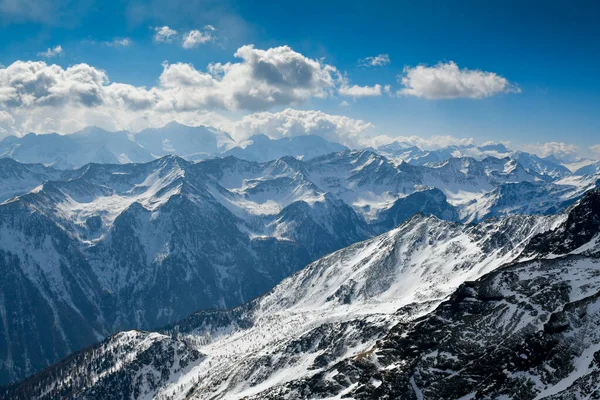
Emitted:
pixel 177 263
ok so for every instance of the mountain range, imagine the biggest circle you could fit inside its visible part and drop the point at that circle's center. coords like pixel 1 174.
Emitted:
pixel 432 309
pixel 103 232
pixel 95 145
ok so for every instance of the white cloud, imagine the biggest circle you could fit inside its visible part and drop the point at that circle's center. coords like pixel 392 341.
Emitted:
pixel 356 91
pixel 164 34
pixel 196 37
pixel 7 124
pixel 595 148
pixel 290 122
pixel 377 61
pixel 51 52
pixel 360 91
pixel 562 151
pixel 45 97
pixel 263 78
pixel 432 143
pixel 120 42
pixel 344 104
pixel 447 81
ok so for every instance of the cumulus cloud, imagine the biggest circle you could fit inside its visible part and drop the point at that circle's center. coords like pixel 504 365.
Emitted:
pixel 196 37
pixel 448 81
pixel 36 84
pixel 263 78
pixel 51 52
pixel 164 34
pixel 44 97
pixel 356 91
pixel 290 122
pixel 595 149
pixel 377 61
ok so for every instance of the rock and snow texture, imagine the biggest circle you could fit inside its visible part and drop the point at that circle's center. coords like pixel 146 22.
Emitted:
pixel 507 308
pixel 116 246
pixel 527 330
pixel 335 308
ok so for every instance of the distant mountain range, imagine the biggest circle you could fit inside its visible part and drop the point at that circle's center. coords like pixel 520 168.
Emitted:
pixel 201 142
pixel 94 145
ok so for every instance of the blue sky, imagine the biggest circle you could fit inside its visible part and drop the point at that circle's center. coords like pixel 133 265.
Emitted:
pixel 548 53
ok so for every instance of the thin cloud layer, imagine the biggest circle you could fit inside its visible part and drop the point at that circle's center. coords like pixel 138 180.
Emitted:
pixel 448 81
pixel 432 143
pixel 290 122
pixel 376 61
pixel 120 42
pixel 562 151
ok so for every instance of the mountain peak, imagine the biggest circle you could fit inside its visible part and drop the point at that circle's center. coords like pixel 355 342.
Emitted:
pixel 578 233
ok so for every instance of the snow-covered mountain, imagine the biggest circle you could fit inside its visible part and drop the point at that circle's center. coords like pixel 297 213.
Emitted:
pixel 527 198
pixel 549 168
pixel 526 330
pixel 141 245
pixel 189 142
pixel 591 169
pixel 116 246
pixel 416 156
pixel 94 145
pixel 335 308
pixel 432 308
pixel 17 178
pixel 73 151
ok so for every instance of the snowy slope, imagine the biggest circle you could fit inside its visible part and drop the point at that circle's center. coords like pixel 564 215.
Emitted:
pixel 591 169
pixel 525 330
pixel 143 245
pixel 335 308
pixel 17 178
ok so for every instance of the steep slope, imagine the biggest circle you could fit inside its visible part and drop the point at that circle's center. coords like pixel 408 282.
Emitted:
pixel 139 246
pixel 591 169
pixel 17 178
pixel 50 302
pixel 159 240
pixel 335 308
pixel 527 330
pixel 535 198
